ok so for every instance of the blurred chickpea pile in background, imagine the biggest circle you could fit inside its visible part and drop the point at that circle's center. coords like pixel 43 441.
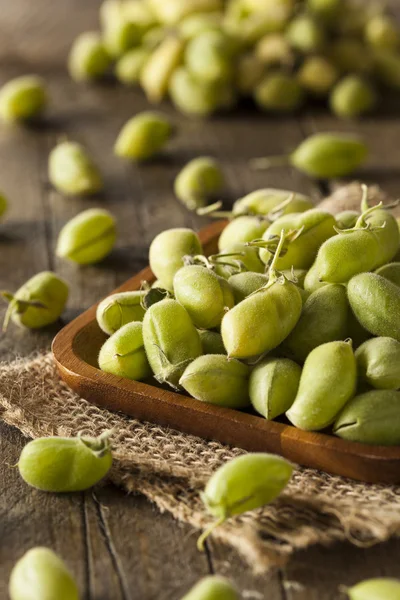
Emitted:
pixel 207 54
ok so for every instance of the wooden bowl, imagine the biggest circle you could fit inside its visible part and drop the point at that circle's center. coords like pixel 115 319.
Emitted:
pixel 76 349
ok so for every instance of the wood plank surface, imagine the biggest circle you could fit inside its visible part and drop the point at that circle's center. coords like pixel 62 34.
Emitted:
pixel 119 546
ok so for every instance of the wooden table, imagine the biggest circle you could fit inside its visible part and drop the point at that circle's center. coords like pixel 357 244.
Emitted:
pixel 119 546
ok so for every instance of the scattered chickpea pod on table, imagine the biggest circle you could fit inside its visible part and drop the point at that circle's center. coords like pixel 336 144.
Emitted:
pixel 42 575
pixel 23 98
pixel 71 170
pixel 213 587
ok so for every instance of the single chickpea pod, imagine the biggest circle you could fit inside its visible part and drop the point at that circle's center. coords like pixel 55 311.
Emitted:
pixel 199 181
pixel 41 575
pixel 322 155
pixel 273 386
pixel 155 294
pixel 378 363
pixel 119 309
pixel 296 275
pixel 274 49
pixel 129 67
pixel 139 12
pixel 209 56
pixel 168 250
pixel 237 258
pixel 245 283
pixel 120 34
pixel 23 98
pixel 324 319
pixel 61 465
pixel 72 172
pixel 390 271
pixel 375 302
pixel 211 342
pixel 311 281
pixel 39 302
pixel 158 69
pixel 205 295
pixel 153 38
pixel 305 34
pixel 371 418
pixel 317 75
pixel 279 92
pixel 88 58
pixel 347 219
pixel 387 68
pixel 213 587
pixel 327 383
pixel 242 484
pixel 352 97
pixel 264 319
pixel 170 339
pixel 194 97
pixel 87 238
pixel 266 200
pixel 143 136
pixel 123 354
pixel 241 230
pixel 314 226
pixel 382 32
pixel 216 379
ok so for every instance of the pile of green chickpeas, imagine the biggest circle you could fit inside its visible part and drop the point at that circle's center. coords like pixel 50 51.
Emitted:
pixel 298 314
pixel 207 54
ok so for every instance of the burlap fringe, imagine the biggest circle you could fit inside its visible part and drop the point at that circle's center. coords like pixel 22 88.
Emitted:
pixel 170 468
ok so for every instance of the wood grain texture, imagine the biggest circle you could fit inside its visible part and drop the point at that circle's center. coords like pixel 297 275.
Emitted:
pixel 120 547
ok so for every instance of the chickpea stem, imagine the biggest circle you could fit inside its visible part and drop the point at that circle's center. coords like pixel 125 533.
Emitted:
pixel 201 540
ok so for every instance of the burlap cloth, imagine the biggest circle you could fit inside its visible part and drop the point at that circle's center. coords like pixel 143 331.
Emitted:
pixel 170 468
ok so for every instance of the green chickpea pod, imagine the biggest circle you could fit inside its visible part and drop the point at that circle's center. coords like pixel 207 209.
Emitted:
pixel 197 23
pixel 390 271
pixel 212 587
pixel 279 92
pixel 322 155
pixel 237 258
pixel 241 230
pixel 382 32
pixel 352 97
pixel 129 67
pixel 87 238
pixel 22 98
pixel 158 69
pixel 123 354
pixel 205 295
pixel 375 589
pixel 219 380
pixel 199 181
pixel 61 465
pixel 143 136
pixel 317 75
pixel 327 383
pixel 88 59
pixel 245 283
pixel 242 484
pixel 250 70
pixel 71 170
pixel 170 339
pixel 211 342
pixel 119 309
pixel 120 34
pixel 273 386
pixel 209 56
pixel 195 97
pixel 39 302
pixel 266 200
pixel 371 418
pixel 168 250
pixel 41 575
pixel 378 363
pixel 274 49
pixel 264 319
pixel 305 35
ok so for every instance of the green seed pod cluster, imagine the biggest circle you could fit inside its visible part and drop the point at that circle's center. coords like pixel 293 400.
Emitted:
pixel 71 170
pixel 59 464
pixel 87 238
pixel 22 99
pixel 294 316
pixel 39 302
pixel 41 575
pixel 207 54
pixel 143 136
